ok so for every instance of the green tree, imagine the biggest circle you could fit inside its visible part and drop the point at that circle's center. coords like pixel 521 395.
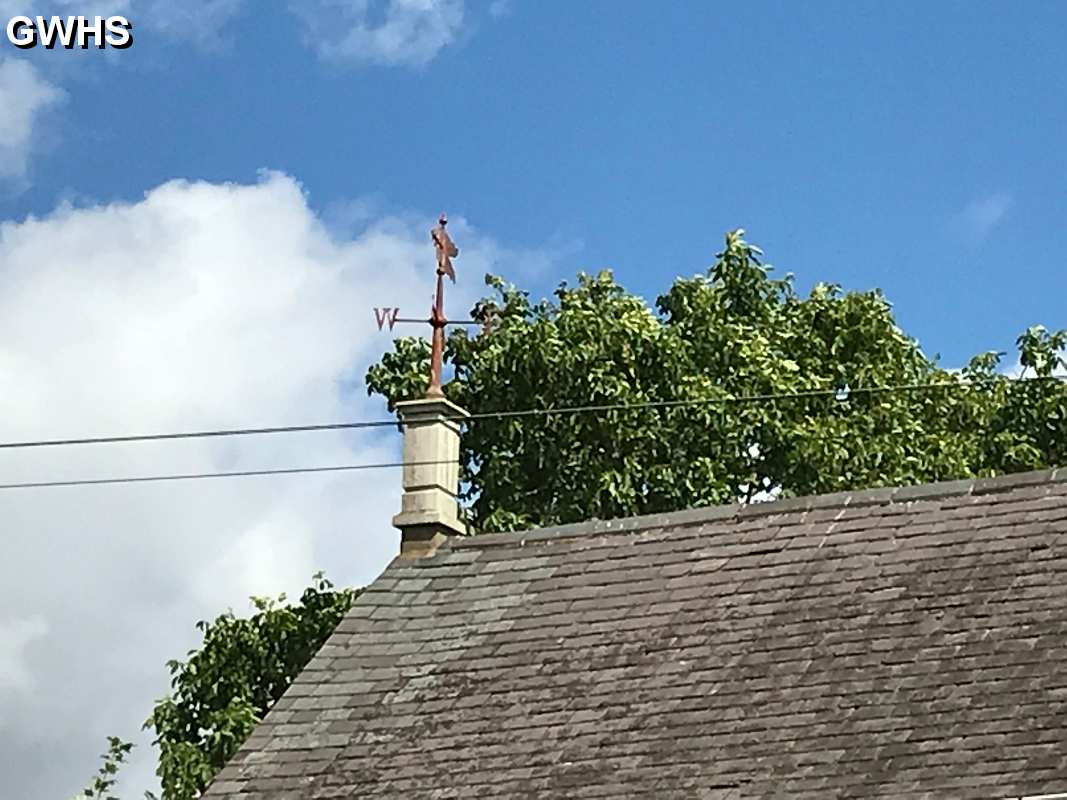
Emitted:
pixel 710 353
pixel 856 403
pixel 103 783
pixel 228 684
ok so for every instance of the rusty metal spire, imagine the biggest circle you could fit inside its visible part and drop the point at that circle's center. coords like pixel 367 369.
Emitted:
pixel 446 251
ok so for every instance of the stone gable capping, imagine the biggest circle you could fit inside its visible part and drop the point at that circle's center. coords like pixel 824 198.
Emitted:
pixel 698 516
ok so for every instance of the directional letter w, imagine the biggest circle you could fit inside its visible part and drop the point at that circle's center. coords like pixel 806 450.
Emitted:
pixel 386 315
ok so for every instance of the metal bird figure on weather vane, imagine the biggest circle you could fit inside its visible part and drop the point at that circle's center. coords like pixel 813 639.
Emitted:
pixel 446 251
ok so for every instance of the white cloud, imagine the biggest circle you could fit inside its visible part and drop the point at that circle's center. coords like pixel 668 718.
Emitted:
pixel 975 222
pixel 526 265
pixel 62 8
pixel 387 32
pixel 25 92
pixel 24 96
pixel 1016 370
pixel 500 8
pixel 15 636
pixel 201 306
pixel 189 20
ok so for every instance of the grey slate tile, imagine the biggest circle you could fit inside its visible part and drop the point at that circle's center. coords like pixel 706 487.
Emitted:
pixel 893 643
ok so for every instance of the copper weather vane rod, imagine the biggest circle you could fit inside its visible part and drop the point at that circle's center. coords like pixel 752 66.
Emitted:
pixel 446 251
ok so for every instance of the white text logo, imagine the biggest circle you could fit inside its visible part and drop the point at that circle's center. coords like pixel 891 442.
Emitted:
pixel 70 32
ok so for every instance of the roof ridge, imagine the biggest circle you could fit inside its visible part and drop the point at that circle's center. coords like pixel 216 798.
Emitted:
pixel 696 516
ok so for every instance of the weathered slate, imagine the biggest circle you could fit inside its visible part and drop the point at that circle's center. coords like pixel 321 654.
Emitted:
pixel 905 644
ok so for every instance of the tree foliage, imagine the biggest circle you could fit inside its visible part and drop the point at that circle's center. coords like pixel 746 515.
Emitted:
pixel 864 405
pixel 103 783
pixel 225 687
pixel 755 389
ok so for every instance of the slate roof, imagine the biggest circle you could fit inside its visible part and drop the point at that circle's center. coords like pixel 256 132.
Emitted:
pixel 890 643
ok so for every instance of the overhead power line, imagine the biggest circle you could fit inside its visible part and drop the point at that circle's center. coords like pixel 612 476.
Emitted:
pixel 193 476
pixel 841 394
pixel 158 437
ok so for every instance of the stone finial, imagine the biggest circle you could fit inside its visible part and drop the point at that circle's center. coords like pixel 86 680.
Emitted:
pixel 429 510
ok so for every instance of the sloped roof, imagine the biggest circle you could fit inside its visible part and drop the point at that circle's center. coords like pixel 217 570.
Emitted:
pixel 886 643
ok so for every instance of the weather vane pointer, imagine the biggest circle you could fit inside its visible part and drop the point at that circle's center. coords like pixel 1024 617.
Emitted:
pixel 446 250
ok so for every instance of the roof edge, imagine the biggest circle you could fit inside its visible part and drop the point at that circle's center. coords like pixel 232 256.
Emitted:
pixel 696 516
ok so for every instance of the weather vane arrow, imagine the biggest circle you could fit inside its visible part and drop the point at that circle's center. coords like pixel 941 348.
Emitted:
pixel 446 251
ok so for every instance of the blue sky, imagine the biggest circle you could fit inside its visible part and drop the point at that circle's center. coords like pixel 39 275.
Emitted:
pixel 195 230
pixel 917 147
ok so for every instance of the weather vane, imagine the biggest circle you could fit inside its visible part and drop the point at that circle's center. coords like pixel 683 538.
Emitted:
pixel 446 251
